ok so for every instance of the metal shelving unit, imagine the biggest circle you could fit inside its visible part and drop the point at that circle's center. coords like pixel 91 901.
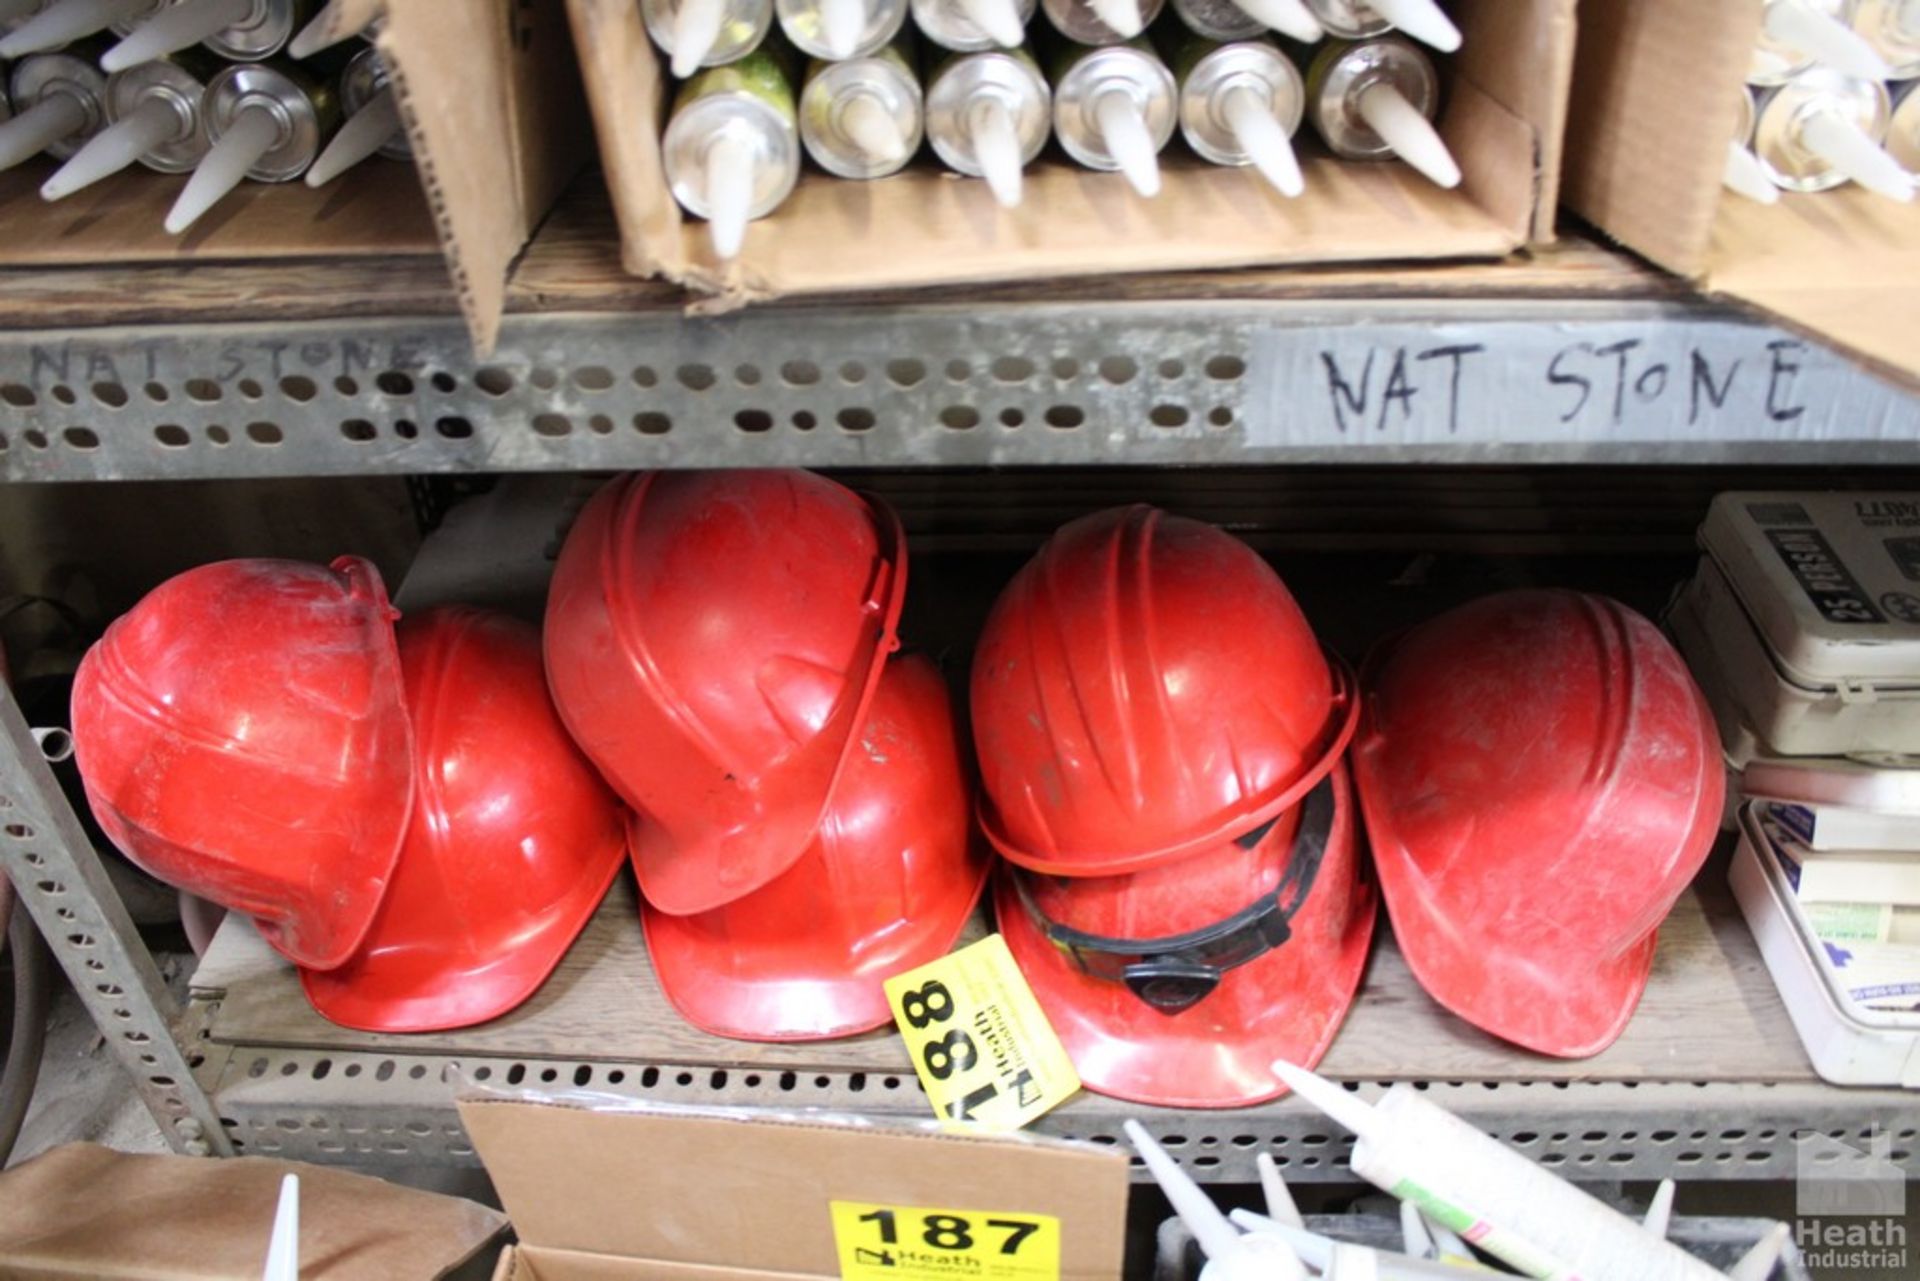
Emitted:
pixel 359 368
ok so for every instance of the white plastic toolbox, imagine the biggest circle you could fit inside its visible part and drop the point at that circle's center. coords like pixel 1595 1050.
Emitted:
pixel 1848 1045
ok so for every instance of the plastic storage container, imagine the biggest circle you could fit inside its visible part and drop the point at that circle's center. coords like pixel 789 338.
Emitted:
pixel 1848 1045
pixel 1808 607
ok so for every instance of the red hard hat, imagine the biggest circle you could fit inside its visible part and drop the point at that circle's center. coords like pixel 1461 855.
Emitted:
pixel 713 640
pixel 1540 779
pixel 887 885
pixel 513 843
pixel 1145 689
pixel 243 736
pixel 1178 986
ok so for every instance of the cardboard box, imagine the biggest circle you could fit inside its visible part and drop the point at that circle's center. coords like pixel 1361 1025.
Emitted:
pixel 489 92
pixel 1655 102
pixel 1503 118
pixel 714 1194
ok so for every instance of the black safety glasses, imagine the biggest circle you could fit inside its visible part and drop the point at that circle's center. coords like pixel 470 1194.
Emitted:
pixel 1174 973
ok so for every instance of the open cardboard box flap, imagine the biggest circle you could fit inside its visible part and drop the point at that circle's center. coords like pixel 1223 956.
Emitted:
pixel 490 97
pixel 1503 120
pixel 700 1193
pixel 1655 101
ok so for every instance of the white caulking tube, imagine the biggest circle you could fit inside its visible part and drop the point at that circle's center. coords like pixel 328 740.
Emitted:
pixel 1230 1255
pixel 1409 134
pixel 1319 1252
pixel 1744 175
pixel 1374 99
pixel 1845 146
pixel 373 126
pixel 1659 1216
pixel 1495 1198
pixel 184 25
pixel 1447 1245
pixel 1758 1263
pixel 1274 1191
pixel 60 101
pixel 283 1246
pixel 1000 19
pixel 1424 20
pixel 1101 22
pixel 972 26
pixel 1122 15
pixel 63 23
pixel 732 147
pixel 155 110
pixel 1825 38
pixel 988 115
pixel 696 25
pixel 996 150
pixel 1240 104
pixel 1290 18
pixel 268 122
pixel 327 29
pixel 1114 109
pixel 1821 128
pixel 1414 1237
pixel 706 33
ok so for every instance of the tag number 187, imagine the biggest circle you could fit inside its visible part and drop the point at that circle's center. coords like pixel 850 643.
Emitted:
pixel 951 1231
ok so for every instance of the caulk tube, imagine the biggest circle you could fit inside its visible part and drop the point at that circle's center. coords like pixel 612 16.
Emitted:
pixel 65 21
pixel 237 30
pixel 1375 100
pixel 969 26
pixel 1822 128
pixel 1241 104
pixel 839 29
pixel 1424 20
pixel 1744 173
pixel 1659 1216
pixel 1273 1190
pixel 268 122
pixel 706 33
pixel 1113 109
pixel 155 114
pixel 372 126
pixel 1797 34
pixel 1245 19
pixel 1892 27
pixel 1100 21
pixel 326 29
pixel 1491 1195
pixel 1230 1256
pixel 1319 1252
pixel 732 148
pixel 988 116
pixel 862 118
pixel 59 102
pixel 1903 129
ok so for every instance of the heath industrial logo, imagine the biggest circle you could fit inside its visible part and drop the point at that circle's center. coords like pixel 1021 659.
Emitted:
pixel 1851 1202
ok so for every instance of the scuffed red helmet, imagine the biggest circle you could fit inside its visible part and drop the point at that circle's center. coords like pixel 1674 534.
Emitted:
pixel 1541 779
pixel 513 842
pixel 243 736
pixel 713 641
pixel 887 885
pixel 1177 986
pixel 1145 689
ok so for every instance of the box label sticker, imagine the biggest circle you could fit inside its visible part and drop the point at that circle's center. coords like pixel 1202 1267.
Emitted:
pixel 1814 564
pixel 918 1243
pixel 980 1043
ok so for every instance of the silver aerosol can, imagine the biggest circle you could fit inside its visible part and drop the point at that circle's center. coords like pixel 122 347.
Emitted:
pixel 1796 35
pixel 372 126
pixel 1745 175
pixel 237 30
pixel 836 29
pixel 988 116
pixel 57 24
pixel 268 121
pixel 1903 132
pixel 1375 100
pixel 1240 104
pixel 1424 20
pixel 732 148
pixel 1101 21
pixel 1114 109
pixel 155 113
pixel 706 33
pixel 59 102
pixel 969 26
pixel 862 118
pixel 1227 20
pixel 1892 27
pixel 1823 127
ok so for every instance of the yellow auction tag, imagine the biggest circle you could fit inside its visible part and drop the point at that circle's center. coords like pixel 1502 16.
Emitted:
pixel 979 1041
pixel 914 1243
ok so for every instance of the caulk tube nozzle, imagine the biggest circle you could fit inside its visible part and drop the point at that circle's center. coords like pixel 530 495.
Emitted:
pixel 1758 1263
pixel 696 25
pixel 872 128
pixel 1203 1218
pixel 113 149
pixel 31 132
pixel 1826 39
pixel 1842 144
pixel 62 23
pixel 1660 1209
pixel 1334 1101
pixel 283 1247
pixel 1322 1253
pixel 1414 1236
pixel 841 25
pixel 1264 140
pixel 1000 19
pixel 1273 1189
pixel 1424 20
pixel 996 149
pixel 729 192
pixel 1409 134
pixel 1289 17
pixel 250 137
pixel 1747 176
pixel 363 134
pixel 1124 131
pixel 323 32
pixel 1122 15
pixel 171 30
